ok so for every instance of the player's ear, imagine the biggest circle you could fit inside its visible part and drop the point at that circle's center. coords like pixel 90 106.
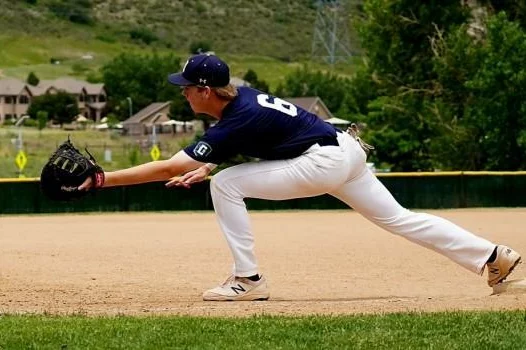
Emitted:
pixel 207 90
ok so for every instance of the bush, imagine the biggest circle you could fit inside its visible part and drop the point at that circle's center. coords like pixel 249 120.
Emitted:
pixel 197 47
pixel 143 34
pixel 107 38
pixel 76 11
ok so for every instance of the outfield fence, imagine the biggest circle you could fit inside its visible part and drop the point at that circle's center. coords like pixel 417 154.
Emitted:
pixel 435 190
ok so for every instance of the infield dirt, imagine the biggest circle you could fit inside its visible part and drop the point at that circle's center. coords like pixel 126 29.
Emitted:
pixel 316 262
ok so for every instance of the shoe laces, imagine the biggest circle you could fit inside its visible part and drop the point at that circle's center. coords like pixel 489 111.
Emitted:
pixel 230 280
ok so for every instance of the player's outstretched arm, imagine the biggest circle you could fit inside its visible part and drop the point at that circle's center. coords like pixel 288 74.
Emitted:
pixel 161 170
pixel 191 177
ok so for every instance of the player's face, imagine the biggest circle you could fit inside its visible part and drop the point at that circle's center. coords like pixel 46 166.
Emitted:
pixel 197 97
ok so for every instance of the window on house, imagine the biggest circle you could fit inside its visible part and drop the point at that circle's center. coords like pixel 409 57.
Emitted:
pixel 8 100
pixel 23 100
pixel 81 98
pixel 102 98
pixel 8 116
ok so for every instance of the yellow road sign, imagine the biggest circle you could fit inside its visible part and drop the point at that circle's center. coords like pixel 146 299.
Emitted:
pixel 155 153
pixel 21 160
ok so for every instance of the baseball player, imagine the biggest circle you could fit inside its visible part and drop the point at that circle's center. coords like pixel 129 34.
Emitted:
pixel 300 156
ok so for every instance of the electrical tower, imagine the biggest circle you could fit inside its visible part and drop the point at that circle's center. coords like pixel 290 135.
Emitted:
pixel 331 34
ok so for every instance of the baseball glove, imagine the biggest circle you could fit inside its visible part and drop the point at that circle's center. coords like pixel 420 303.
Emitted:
pixel 67 169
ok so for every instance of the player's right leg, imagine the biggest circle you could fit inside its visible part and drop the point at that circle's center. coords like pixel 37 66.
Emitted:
pixel 367 195
pixel 318 171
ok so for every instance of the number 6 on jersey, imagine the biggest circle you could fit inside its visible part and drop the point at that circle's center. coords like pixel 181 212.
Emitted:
pixel 278 104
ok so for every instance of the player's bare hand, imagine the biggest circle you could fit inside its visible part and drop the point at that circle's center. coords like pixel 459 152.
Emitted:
pixel 86 185
pixel 189 178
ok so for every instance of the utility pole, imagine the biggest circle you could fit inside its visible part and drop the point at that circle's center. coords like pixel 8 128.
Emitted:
pixel 130 110
pixel 331 42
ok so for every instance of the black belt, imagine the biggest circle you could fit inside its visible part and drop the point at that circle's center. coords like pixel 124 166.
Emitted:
pixel 328 141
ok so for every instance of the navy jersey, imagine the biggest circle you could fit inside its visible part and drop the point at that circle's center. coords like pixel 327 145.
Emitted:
pixel 258 125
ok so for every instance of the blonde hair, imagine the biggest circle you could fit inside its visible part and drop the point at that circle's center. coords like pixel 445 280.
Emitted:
pixel 228 92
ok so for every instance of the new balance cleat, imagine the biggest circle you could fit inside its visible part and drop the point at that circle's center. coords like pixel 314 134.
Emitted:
pixel 238 288
pixel 503 265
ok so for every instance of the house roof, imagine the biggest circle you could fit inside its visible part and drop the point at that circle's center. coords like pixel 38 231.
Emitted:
pixel 11 87
pixel 146 112
pixel 94 89
pixel 72 86
pixel 309 104
pixel 69 85
pixel 35 90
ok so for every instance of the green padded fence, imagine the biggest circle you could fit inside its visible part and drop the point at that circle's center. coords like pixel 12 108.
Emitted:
pixel 412 190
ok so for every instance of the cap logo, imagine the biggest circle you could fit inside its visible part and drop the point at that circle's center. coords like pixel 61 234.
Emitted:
pixel 184 68
pixel 202 81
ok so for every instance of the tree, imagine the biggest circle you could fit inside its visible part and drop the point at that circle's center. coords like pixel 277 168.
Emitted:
pixel 32 79
pixel 143 78
pixel 180 110
pixel 251 77
pixel 331 88
pixel 482 108
pixel 397 36
pixel 515 10
pixel 42 119
pixel 61 107
pixel 200 46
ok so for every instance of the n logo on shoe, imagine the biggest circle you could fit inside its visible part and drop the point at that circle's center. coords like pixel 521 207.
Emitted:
pixel 238 289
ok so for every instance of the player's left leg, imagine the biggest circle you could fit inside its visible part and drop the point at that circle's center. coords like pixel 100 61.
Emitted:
pixel 367 195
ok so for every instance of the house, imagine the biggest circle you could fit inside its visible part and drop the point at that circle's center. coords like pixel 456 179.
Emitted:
pixel 16 96
pixel 313 105
pixel 91 98
pixel 142 122
pixel 316 106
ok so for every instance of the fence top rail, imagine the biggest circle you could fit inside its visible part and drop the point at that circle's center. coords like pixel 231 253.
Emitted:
pixel 22 179
pixel 453 173
pixel 397 174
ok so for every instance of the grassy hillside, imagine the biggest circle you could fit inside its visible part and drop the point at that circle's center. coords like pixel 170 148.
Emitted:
pixel 269 36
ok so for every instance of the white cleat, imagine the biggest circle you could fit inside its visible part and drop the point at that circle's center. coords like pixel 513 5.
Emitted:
pixel 503 265
pixel 238 288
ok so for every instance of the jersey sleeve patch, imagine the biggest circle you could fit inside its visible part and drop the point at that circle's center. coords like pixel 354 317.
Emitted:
pixel 202 149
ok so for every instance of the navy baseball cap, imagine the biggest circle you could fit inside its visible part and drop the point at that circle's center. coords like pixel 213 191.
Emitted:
pixel 204 70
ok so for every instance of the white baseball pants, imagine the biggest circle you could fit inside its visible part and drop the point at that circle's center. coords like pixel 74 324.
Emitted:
pixel 340 171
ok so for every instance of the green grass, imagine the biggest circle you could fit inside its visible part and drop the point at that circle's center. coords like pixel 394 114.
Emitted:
pixel 32 54
pixel 26 53
pixel 458 330
pixel 273 41
pixel 38 146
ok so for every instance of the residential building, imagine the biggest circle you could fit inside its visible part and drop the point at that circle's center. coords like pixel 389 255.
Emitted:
pixel 313 105
pixel 142 122
pixel 16 96
pixel 316 106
